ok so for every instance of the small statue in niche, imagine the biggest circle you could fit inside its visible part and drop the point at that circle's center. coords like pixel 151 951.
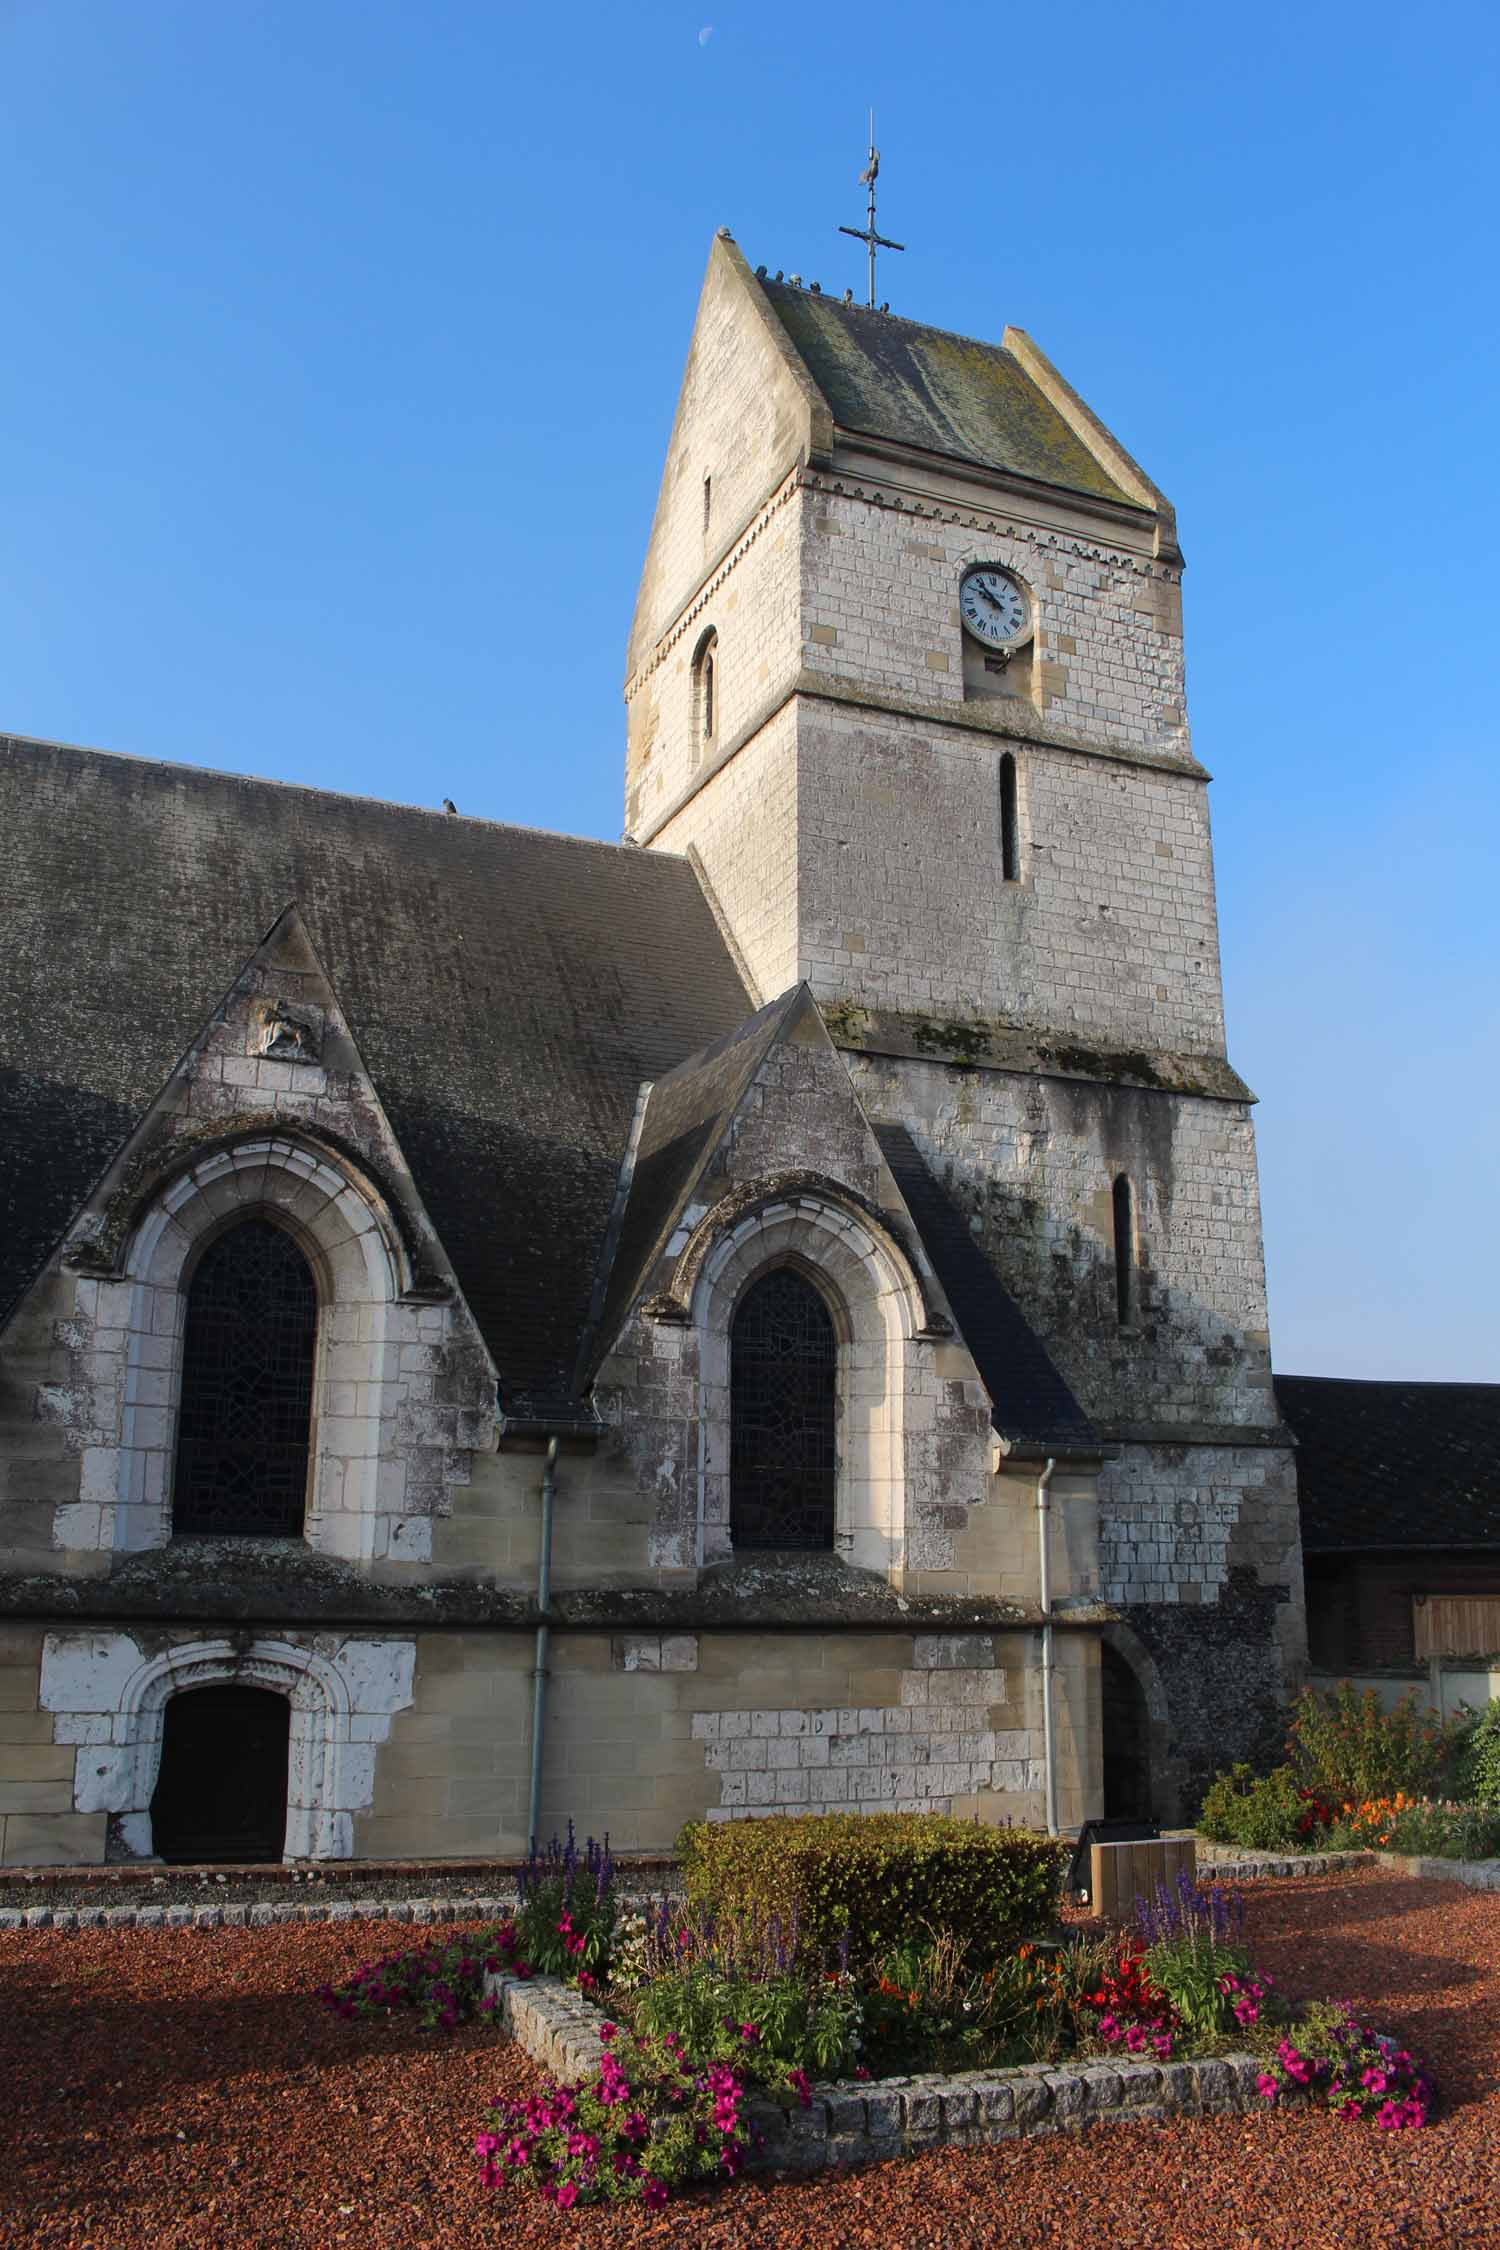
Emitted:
pixel 286 1036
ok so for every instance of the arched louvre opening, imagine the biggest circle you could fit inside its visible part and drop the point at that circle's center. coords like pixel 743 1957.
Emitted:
pixel 783 1399
pixel 222 1788
pixel 706 689
pixel 245 1419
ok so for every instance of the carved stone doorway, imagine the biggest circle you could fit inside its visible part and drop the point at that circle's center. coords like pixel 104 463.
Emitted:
pixel 222 1788
pixel 1127 1741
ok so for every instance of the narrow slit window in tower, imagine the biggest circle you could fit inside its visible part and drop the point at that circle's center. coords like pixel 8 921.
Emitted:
pixel 1010 827
pixel 1125 1260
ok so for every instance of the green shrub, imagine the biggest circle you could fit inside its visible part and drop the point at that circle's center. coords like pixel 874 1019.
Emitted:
pixel 1479 1766
pixel 1259 1812
pixel 1347 1746
pixel 872 1878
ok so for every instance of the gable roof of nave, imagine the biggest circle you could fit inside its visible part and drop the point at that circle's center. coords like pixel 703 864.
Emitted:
pixel 509 989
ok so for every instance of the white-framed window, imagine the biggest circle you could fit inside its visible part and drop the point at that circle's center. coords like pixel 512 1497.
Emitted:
pixel 335 1225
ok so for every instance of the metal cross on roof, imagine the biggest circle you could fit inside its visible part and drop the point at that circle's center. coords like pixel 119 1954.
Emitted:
pixel 866 234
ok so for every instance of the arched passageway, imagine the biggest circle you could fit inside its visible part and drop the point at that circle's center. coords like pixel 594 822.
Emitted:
pixel 222 1788
pixel 1127 1740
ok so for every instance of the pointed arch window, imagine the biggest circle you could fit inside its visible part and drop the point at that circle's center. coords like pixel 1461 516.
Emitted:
pixel 783 1413
pixel 244 1425
pixel 1126 1281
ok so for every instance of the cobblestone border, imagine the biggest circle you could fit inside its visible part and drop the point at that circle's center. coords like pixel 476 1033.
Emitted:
pixel 1219 1863
pixel 256 1917
pixel 1225 1864
pixel 848 2123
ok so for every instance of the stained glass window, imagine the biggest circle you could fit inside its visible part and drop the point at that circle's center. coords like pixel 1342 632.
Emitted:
pixel 783 1388
pixel 247 1377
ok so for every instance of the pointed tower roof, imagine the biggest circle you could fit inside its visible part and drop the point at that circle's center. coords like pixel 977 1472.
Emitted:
pixel 908 384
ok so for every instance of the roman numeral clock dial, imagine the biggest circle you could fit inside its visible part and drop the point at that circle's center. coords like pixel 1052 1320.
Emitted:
pixel 994 609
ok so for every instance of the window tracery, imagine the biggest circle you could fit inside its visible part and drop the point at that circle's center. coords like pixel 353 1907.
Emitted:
pixel 783 1415
pixel 244 1420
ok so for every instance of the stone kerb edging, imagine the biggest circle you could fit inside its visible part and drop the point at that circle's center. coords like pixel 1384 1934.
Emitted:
pixel 256 1917
pixel 1229 1863
pixel 868 2124
pixel 1222 1862
pixel 1226 1863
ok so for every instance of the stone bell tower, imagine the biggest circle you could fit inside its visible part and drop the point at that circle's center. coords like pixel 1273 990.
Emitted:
pixel 905 682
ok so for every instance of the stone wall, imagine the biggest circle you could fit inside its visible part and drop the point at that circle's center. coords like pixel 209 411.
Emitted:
pixel 718 1725
pixel 1109 937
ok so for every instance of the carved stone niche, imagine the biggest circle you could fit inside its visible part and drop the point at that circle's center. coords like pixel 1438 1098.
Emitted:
pixel 288 1034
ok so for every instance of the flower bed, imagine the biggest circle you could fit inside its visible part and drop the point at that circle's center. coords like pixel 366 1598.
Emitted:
pixel 1358 1776
pixel 848 2122
pixel 736 2042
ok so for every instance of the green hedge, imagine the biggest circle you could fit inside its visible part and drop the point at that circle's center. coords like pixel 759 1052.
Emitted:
pixel 876 1878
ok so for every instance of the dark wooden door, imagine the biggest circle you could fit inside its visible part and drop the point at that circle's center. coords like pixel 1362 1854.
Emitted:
pixel 221 1793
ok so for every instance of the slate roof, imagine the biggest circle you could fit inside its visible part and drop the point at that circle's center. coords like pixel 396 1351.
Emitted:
pixel 1033 1405
pixel 686 1116
pixel 1394 1465
pixel 509 991
pixel 898 379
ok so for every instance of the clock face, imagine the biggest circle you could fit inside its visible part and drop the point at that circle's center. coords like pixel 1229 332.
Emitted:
pixel 993 607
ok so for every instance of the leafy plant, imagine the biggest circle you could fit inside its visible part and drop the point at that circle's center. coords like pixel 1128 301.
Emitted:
pixel 1479 1764
pixel 868 1877
pixel 1196 1956
pixel 566 1919
pixel 442 1984
pixel 1345 1745
pixel 730 1991
pixel 1330 2057
pixel 1423 1826
pixel 651 2119
pixel 927 2007
pixel 1262 1812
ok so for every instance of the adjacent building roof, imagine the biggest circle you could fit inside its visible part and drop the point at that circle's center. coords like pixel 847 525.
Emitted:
pixel 1394 1465
pixel 898 379
pixel 509 991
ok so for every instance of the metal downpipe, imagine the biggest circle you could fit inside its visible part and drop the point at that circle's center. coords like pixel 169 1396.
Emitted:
pixel 543 1640
pixel 1044 1582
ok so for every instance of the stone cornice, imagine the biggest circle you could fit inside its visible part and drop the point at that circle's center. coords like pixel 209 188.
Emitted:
pixel 738 1597
pixel 693 609
pixel 916 503
pixel 1218 1434
pixel 1005 515
pixel 1033 1051
pixel 1026 726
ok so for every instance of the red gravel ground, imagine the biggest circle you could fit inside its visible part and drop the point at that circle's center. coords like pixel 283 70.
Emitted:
pixel 176 2088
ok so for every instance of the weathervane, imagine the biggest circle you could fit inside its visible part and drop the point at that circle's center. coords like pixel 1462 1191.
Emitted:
pixel 866 234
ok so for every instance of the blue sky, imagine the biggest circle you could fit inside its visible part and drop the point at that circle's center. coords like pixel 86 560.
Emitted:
pixel 342 344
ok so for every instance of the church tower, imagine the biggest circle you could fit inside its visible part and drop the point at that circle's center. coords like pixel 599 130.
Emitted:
pixel 905 682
